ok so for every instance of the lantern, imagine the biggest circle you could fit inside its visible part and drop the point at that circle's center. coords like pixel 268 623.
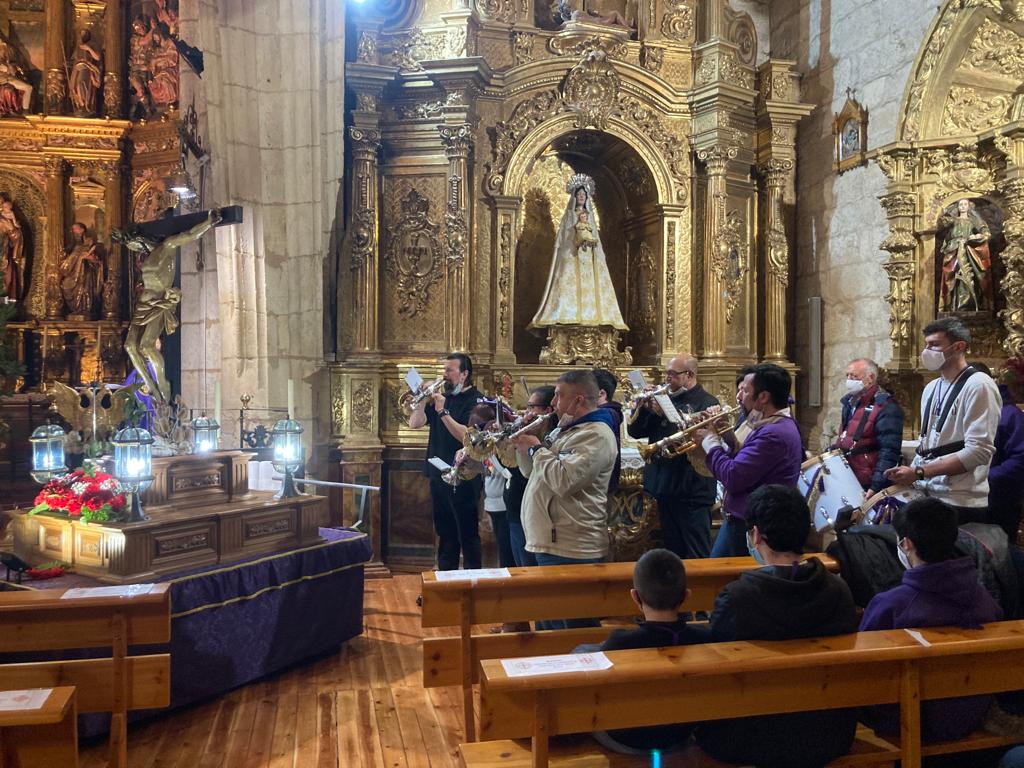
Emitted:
pixel 47 453
pixel 133 465
pixel 288 455
pixel 205 434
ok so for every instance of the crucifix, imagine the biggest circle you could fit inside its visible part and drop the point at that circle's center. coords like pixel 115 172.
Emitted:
pixel 156 307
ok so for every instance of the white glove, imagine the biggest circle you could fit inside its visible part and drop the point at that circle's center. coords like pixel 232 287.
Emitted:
pixel 712 441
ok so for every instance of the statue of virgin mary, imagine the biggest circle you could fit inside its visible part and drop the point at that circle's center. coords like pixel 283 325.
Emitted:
pixel 579 290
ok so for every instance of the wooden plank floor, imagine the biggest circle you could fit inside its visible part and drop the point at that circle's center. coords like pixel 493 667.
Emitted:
pixel 363 706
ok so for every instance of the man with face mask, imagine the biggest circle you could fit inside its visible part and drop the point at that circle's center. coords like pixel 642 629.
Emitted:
pixel 454 509
pixel 771 454
pixel 959 418
pixel 871 431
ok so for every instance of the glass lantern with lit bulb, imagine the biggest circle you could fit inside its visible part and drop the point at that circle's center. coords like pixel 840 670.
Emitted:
pixel 47 453
pixel 205 434
pixel 133 465
pixel 288 454
pixel 180 183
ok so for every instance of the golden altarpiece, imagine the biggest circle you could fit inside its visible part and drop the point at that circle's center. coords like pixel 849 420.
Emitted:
pixel 960 144
pixel 466 120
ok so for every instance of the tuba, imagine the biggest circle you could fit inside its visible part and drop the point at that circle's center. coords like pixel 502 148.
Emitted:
pixel 684 441
pixel 410 401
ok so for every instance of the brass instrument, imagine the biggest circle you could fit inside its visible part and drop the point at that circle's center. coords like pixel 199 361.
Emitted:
pixel 410 401
pixel 641 397
pixel 499 442
pixel 683 441
pixel 461 471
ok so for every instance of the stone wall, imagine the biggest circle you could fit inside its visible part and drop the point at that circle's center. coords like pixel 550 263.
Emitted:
pixel 271 112
pixel 869 47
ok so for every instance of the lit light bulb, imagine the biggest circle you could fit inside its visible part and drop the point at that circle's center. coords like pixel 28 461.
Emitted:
pixel 134 467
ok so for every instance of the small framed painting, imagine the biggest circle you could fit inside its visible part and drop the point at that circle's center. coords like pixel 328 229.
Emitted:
pixel 850 132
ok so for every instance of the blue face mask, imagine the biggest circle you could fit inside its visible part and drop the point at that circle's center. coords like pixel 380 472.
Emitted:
pixel 753 552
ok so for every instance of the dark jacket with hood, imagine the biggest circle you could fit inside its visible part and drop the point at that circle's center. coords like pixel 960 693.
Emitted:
pixel 782 603
pixel 940 594
pixel 614 407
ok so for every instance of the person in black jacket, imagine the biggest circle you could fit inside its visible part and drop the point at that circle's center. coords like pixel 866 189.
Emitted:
pixel 684 497
pixel 784 600
pixel 538 404
pixel 606 386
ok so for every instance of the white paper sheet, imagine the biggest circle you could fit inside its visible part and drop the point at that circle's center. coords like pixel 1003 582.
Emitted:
pixel 637 379
pixel 917 636
pixel 413 379
pixel 555 665
pixel 19 700
pixel 472 574
pixel 128 590
pixel 668 409
pixel 437 463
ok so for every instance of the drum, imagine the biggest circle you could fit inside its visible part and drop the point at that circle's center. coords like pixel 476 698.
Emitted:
pixel 878 508
pixel 832 491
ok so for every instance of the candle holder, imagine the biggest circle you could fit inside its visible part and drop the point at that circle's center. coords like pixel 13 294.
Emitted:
pixel 47 453
pixel 288 454
pixel 205 434
pixel 133 465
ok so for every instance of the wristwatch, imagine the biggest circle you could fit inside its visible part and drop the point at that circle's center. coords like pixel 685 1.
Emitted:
pixel 445 412
pixel 919 471
pixel 533 449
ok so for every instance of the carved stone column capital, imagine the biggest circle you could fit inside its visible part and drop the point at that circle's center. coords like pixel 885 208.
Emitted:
pixel 365 143
pixel 457 140
pixel 54 166
pixel 717 158
pixel 777 171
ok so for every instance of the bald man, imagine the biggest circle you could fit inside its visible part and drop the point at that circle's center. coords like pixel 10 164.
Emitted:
pixel 684 497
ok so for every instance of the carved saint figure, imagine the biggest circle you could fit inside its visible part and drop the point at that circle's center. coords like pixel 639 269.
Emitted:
pixel 163 69
pixel 156 306
pixel 86 75
pixel 138 67
pixel 15 93
pixel 576 10
pixel 579 289
pixel 966 262
pixel 12 250
pixel 81 274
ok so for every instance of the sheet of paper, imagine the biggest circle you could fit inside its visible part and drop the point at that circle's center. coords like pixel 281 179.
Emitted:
pixel 637 379
pixel 917 636
pixel 668 409
pixel 413 379
pixel 555 665
pixel 128 590
pixel 439 463
pixel 472 574
pixel 30 699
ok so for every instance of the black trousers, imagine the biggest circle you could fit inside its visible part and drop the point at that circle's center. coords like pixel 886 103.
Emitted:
pixel 455 523
pixel 685 527
pixel 499 522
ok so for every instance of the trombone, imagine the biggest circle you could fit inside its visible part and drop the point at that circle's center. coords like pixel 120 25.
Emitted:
pixel 684 441
pixel 410 401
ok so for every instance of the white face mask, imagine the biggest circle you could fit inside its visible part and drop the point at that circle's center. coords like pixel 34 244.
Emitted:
pixel 853 386
pixel 932 359
pixel 904 560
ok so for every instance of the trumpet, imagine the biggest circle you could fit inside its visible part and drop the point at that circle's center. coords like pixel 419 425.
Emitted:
pixel 498 442
pixel 684 441
pixel 460 472
pixel 641 397
pixel 410 401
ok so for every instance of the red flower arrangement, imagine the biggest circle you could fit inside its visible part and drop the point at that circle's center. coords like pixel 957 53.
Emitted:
pixel 85 494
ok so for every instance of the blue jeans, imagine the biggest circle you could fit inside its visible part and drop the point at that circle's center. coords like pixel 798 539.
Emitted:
pixel 544 558
pixel 732 539
pixel 517 538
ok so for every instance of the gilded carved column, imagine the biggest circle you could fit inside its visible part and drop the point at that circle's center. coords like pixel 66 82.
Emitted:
pixel 363 259
pixel 1013 255
pixel 113 38
pixel 56 86
pixel 458 143
pixel 113 180
pixel 504 268
pixel 778 174
pixel 55 170
pixel 717 286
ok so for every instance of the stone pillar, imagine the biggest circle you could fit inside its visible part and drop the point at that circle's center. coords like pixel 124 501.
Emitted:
pixel 1013 255
pixel 113 180
pixel 716 246
pixel 55 169
pixel 777 174
pixel 458 143
pixel 363 258
pixel 503 246
pixel 54 55
pixel 114 59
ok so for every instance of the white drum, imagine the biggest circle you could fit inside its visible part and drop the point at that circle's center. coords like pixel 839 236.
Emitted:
pixel 878 508
pixel 831 489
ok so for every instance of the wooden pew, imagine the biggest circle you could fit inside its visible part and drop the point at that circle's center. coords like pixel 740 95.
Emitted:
pixel 741 679
pixel 541 593
pixel 40 620
pixel 43 737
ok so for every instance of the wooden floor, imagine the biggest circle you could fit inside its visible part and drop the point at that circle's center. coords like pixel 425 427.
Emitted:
pixel 362 706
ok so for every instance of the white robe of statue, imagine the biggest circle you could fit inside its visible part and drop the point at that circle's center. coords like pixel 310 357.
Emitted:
pixel 579 289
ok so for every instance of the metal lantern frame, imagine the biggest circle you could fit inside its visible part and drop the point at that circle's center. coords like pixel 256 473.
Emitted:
pixel 131 445
pixel 288 454
pixel 48 459
pixel 205 434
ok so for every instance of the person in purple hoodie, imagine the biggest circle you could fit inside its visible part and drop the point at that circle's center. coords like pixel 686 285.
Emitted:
pixel 1006 474
pixel 939 589
pixel 770 455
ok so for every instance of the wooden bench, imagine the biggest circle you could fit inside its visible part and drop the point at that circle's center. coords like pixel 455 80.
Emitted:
pixel 43 735
pixel 742 679
pixel 40 620
pixel 537 594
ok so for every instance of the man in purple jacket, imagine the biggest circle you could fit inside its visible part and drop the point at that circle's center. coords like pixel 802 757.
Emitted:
pixel 939 589
pixel 1006 474
pixel 770 455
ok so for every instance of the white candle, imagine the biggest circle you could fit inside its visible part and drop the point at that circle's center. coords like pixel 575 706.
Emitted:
pixel 216 400
pixel 291 399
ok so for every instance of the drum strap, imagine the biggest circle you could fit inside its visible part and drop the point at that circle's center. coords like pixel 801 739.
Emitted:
pixel 941 450
pixel 946 402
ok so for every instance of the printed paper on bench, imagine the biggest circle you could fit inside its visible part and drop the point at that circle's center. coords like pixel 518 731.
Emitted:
pixel 472 574
pixel 554 665
pixel 128 590
pixel 22 700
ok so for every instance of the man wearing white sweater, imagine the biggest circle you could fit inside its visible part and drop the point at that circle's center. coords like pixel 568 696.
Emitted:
pixel 959 417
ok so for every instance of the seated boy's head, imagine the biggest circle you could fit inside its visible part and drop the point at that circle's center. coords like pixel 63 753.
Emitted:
pixel 659 582
pixel 777 516
pixel 927 530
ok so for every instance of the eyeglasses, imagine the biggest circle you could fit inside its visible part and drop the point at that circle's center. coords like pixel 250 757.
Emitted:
pixel 674 374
